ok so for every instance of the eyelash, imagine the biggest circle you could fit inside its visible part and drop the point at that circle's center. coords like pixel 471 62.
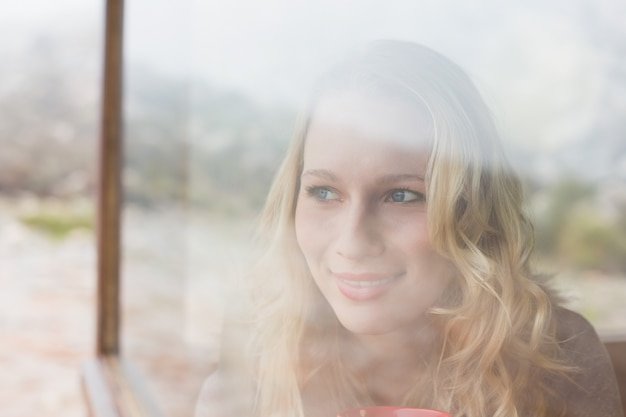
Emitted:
pixel 419 196
pixel 313 191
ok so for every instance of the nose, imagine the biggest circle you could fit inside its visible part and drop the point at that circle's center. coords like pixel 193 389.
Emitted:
pixel 359 233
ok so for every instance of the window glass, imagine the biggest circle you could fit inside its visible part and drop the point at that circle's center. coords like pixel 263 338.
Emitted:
pixel 213 90
pixel 50 71
pixel 155 219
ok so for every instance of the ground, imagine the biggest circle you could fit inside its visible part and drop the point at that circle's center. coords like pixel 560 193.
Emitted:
pixel 47 311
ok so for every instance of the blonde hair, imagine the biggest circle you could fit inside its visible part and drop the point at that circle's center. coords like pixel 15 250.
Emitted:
pixel 497 327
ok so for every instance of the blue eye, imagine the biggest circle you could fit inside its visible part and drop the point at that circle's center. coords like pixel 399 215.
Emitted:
pixel 404 196
pixel 322 193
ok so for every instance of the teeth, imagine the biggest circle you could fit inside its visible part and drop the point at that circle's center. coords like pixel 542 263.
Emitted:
pixel 367 283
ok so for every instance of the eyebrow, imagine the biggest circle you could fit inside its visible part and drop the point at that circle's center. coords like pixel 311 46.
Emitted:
pixel 320 173
pixel 387 179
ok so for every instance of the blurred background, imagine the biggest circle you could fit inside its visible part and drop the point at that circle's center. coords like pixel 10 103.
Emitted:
pixel 211 94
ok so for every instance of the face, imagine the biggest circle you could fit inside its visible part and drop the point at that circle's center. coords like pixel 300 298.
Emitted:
pixel 361 213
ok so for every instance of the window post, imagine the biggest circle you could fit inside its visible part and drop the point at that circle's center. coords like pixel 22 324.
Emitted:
pixel 109 186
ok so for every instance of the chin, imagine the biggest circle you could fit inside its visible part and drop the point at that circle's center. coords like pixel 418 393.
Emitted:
pixel 366 326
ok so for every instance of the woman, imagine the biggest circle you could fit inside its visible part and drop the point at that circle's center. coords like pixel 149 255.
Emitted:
pixel 396 265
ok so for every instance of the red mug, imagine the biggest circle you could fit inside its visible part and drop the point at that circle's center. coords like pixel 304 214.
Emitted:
pixel 388 411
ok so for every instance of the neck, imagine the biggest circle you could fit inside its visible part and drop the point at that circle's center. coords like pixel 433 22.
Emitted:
pixel 389 364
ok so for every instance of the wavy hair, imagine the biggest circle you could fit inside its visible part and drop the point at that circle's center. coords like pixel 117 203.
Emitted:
pixel 496 325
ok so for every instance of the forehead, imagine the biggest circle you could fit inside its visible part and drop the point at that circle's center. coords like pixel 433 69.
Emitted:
pixel 375 118
pixel 361 138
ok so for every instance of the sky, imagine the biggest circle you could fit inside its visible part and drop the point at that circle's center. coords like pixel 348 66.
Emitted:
pixel 540 64
pixel 534 61
pixel 21 21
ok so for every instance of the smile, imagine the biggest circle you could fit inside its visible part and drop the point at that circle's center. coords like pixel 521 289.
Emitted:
pixel 367 283
pixel 366 286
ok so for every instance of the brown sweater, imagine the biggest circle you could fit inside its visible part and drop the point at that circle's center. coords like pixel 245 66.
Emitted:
pixel 590 392
pixel 593 390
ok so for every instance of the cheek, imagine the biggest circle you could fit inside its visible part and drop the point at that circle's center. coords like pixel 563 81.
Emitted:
pixel 422 239
pixel 313 229
pixel 411 233
pixel 416 245
pixel 305 230
pixel 426 255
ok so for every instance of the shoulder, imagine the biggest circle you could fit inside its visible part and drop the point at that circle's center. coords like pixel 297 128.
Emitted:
pixel 591 388
pixel 222 396
pixel 575 334
pixel 580 344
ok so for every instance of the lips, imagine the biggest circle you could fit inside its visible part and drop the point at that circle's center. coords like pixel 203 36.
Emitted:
pixel 364 286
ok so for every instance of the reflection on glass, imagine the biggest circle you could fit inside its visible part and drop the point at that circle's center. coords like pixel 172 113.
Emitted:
pixel 154 219
pixel 211 111
pixel 395 264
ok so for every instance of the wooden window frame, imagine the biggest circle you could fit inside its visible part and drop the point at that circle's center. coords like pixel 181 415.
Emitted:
pixel 615 344
pixel 112 387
